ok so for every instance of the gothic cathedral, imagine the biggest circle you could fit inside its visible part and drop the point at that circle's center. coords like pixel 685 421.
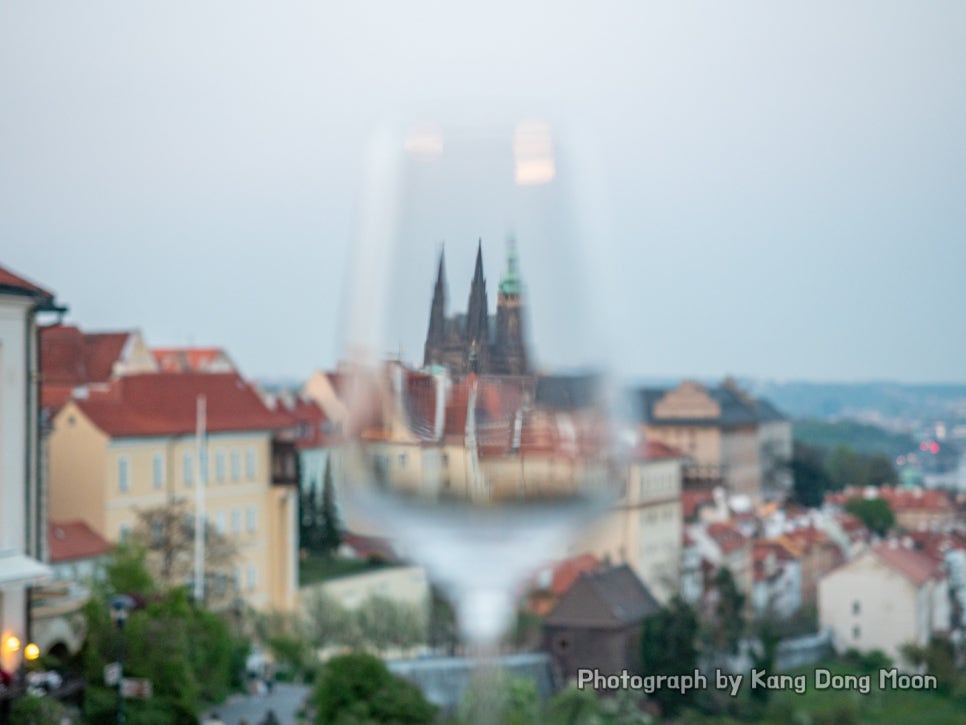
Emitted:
pixel 476 341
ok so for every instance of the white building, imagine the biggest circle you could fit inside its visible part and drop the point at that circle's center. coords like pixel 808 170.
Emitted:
pixel 884 598
pixel 22 506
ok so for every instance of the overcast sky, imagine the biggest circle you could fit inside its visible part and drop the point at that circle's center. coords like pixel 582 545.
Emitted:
pixel 787 187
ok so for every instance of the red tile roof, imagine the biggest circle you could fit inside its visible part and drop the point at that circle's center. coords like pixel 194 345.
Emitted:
pixel 727 537
pixel 693 501
pixel 73 540
pixel 899 499
pixel 165 404
pixel 311 423
pixel 566 572
pixel 71 357
pixel 656 450
pixel 917 568
pixel 370 547
pixel 188 359
pixel 14 281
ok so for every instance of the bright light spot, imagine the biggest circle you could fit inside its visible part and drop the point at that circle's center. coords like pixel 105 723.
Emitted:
pixel 11 643
pixel 424 143
pixel 31 651
pixel 533 153
pixel 934 448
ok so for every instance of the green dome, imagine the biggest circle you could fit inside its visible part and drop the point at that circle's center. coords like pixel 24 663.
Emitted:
pixel 510 283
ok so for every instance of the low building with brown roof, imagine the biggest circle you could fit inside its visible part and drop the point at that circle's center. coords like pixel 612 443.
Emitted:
pixel 886 597
pixel 597 623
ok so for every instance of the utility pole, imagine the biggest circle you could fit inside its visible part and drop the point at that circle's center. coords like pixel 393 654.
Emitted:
pixel 201 454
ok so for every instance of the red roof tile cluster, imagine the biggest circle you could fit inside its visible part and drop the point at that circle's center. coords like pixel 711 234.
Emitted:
pixel 14 281
pixel 727 537
pixel 74 540
pixel 69 357
pixel 370 547
pixel 916 567
pixel 166 404
pixel 693 501
pixel 189 359
pixel 649 450
pixel 566 572
pixel 311 421
pixel 899 499
pixel 935 544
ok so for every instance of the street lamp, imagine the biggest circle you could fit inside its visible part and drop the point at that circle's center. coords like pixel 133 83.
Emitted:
pixel 120 605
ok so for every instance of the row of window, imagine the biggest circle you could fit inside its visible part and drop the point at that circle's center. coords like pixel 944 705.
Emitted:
pixel 188 474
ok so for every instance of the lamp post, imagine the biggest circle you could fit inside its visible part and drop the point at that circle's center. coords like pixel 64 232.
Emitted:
pixel 121 604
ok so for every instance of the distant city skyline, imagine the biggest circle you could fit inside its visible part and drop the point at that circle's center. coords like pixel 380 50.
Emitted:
pixel 784 184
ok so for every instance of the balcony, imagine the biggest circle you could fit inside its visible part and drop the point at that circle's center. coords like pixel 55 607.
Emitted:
pixel 285 463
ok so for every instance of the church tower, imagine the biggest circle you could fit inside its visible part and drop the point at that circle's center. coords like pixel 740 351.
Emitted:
pixel 436 335
pixel 477 335
pixel 510 341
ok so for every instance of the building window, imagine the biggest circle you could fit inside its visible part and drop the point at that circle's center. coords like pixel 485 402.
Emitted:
pixel 856 607
pixel 123 474
pixel 189 470
pixel 856 632
pixel 220 466
pixel 158 469
pixel 250 515
pixel 235 464
pixel 236 521
pixel 124 533
pixel 251 577
pixel 220 522
pixel 250 464
pixel 157 531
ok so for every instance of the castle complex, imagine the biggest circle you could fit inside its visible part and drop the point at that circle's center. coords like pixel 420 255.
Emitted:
pixel 477 341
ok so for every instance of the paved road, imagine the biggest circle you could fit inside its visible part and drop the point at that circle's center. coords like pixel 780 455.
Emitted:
pixel 285 701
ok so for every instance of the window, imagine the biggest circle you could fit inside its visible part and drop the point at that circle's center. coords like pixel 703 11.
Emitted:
pixel 236 521
pixel 250 515
pixel 856 632
pixel 235 464
pixel 123 474
pixel 856 607
pixel 124 533
pixel 250 464
pixel 220 466
pixel 251 577
pixel 189 470
pixel 158 467
pixel 236 575
pixel 220 522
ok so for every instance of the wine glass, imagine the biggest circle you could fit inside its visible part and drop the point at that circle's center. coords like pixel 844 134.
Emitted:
pixel 480 427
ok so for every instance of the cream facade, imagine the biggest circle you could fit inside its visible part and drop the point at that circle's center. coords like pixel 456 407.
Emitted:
pixel 645 529
pixel 106 480
pixel 870 605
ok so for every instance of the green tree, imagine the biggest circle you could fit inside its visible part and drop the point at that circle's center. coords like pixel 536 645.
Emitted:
pixel 880 471
pixel 763 655
pixel 873 512
pixel 573 706
pixel 810 480
pixel 847 468
pixel 330 528
pixel 308 515
pixel 358 688
pixel 669 647
pixel 493 696
pixel 37 710
pixel 728 622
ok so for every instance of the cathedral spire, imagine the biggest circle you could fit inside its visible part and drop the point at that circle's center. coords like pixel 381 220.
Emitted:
pixel 477 312
pixel 437 314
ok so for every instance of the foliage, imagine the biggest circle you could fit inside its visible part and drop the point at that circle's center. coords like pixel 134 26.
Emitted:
pixel 378 623
pixel 810 480
pixel 863 438
pixel 443 633
pixel 763 655
pixel 358 688
pixel 167 533
pixel 126 570
pixel 873 512
pixel 728 622
pixel 187 652
pixel 320 530
pixel 669 647
pixel 938 657
pixel 497 697
pixel 37 710
pixel 573 706
pixel 316 569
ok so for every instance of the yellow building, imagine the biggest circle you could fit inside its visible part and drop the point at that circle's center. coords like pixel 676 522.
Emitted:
pixel 132 446
pixel 731 436
pixel 644 529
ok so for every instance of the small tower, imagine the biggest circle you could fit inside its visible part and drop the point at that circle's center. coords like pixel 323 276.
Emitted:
pixel 510 341
pixel 477 335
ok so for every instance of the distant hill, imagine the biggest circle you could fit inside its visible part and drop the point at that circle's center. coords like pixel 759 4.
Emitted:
pixel 885 401
pixel 861 437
